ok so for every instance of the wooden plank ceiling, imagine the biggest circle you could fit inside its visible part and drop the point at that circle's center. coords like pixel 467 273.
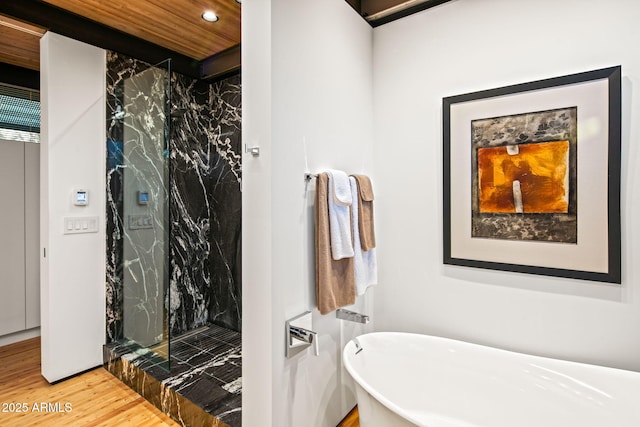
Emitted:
pixel 175 25
pixel 20 43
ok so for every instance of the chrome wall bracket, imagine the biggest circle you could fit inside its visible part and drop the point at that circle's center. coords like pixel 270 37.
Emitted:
pixel 352 316
pixel 299 335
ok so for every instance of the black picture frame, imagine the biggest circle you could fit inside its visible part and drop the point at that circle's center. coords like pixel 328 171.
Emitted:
pixel 597 97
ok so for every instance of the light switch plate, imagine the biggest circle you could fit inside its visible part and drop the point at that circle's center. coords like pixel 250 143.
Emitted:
pixel 80 224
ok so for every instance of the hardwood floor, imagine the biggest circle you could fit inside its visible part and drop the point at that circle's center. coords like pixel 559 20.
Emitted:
pixel 95 398
pixel 351 420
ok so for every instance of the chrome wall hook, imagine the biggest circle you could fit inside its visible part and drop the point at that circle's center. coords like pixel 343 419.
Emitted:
pixel 255 151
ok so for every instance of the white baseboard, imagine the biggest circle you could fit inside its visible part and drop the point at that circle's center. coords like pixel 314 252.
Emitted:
pixel 19 336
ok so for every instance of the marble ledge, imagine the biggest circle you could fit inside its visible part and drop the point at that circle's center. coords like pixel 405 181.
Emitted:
pixel 169 400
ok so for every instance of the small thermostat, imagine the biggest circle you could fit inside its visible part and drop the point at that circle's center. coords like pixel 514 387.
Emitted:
pixel 81 197
pixel 143 197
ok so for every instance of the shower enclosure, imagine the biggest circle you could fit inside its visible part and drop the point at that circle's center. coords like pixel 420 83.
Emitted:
pixel 173 239
pixel 138 146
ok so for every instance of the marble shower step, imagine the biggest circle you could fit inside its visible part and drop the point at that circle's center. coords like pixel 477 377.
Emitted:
pixel 204 385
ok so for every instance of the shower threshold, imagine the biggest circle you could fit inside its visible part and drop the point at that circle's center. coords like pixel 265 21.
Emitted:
pixel 204 384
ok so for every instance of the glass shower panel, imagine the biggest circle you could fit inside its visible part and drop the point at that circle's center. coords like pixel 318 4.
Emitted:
pixel 145 211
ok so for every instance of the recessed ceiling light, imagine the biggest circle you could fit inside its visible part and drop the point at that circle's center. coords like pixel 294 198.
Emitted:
pixel 209 16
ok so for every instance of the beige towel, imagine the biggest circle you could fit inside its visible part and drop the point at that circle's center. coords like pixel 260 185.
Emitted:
pixel 335 281
pixel 365 210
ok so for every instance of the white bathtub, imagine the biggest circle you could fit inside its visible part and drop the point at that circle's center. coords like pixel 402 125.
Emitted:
pixel 409 379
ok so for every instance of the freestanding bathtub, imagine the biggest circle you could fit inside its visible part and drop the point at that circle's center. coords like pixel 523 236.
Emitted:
pixel 408 379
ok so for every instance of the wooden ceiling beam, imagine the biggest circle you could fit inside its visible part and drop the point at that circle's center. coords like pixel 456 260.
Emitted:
pixel 379 12
pixel 18 76
pixel 222 64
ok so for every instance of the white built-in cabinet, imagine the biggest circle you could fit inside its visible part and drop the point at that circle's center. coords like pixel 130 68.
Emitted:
pixel 19 236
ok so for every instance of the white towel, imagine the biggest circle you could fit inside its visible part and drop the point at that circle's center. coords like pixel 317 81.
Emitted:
pixel 340 200
pixel 365 262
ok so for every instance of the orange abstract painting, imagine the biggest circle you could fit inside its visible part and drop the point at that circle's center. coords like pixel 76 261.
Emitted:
pixel 526 178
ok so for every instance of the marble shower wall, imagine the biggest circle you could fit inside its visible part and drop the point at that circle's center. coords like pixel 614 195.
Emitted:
pixel 204 201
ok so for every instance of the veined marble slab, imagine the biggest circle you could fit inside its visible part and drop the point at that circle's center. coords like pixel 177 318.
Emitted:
pixel 202 184
pixel 203 385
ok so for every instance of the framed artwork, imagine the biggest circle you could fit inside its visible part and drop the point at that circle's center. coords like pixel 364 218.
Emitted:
pixel 531 177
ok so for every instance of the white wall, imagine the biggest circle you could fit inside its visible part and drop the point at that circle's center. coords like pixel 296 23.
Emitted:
pixel 257 285
pixel 20 230
pixel 32 234
pixel 12 225
pixel 72 81
pixel 465 46
pixel 307 80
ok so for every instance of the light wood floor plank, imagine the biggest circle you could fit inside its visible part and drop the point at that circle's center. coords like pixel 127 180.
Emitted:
pixel 351 420
pixel 97 398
